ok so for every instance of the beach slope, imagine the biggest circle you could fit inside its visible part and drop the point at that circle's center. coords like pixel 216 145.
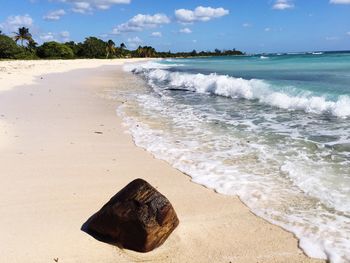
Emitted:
pixel 64 153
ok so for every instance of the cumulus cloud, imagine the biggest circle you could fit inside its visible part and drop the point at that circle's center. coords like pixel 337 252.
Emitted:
pixel 200 13
pixel 141 22
pixel 62 36
pixel 246 25
pixel 82 8
pixel 49 36
pixel 185 30
pixel 332 38
pixel 267 29
pixel 340 2
pixel 87 6
pixel 283 5
pixel 54 15
pixel 134 42
pixel 12 23
pixel 156 34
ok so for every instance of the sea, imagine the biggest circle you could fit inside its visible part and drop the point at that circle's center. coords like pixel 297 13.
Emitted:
pixel 273 129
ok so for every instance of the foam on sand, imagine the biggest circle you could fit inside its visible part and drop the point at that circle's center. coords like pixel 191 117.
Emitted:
pixel 284 154
pixel 67 171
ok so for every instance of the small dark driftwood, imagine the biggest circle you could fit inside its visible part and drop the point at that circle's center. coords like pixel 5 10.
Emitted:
pixel 138 218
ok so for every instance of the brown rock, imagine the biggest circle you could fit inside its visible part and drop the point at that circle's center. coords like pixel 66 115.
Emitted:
pixel 138 218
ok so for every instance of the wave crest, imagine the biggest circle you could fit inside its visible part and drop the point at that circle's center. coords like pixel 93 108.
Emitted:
pixel 158 75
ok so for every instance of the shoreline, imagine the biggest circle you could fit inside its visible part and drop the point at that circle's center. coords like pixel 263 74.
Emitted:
pixel 57 171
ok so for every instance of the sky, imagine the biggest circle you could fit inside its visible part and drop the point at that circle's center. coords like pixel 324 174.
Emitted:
pixel 252 26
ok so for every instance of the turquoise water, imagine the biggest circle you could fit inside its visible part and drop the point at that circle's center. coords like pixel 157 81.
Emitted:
pixel 325 74
pixel 272 129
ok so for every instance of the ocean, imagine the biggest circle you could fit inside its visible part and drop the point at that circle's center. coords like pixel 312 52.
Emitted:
pixel 273 129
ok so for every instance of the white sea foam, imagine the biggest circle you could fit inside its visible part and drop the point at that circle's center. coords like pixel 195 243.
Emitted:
pixel 264 57
pixel 142 66
pixel 282 176
pixel 316 228
pixel 253 89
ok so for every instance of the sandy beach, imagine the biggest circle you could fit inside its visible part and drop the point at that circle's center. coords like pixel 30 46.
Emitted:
pixel 65 152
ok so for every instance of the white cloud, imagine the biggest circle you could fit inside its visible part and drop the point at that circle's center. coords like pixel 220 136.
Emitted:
pixel 87 6
pixel 82 8
pixel 283 4
pixel 332 38
pixel 104 36
pixel 134 42
pixel 348 33
pixel 185 30
pixel 200 13
pixel 12 23
pixel 340 2
pixel 194 41
pixel 273 29
pixel 246 25
pixel 54 15
pixel 64 35
pixel 156 34
pixel 45 37
pixel 141 22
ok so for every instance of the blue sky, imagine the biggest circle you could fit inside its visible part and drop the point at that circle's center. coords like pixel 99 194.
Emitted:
pixel 184 25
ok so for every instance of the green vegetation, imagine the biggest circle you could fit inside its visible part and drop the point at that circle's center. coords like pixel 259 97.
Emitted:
pixel 92 47
pixel 10 50
pixel 110 49
pixel 8 47
pixel 55 50
pixel 194 53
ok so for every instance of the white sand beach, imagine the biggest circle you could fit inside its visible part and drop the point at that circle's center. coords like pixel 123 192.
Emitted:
pixel 64 153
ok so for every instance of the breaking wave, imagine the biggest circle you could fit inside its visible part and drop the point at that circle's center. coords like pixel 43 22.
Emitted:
pixel 159 75
pixel 291 169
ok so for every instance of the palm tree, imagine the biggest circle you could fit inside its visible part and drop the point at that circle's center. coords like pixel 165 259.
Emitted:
pixel 23 35
pixel 110 49
pixel 146 52
pixel 122 46
pixel 32 45
pixel 151 52
pixel 140 51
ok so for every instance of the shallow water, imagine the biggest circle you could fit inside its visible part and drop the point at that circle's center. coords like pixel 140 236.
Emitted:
pixel 274 130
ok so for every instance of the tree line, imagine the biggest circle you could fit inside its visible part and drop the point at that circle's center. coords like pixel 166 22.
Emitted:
pixel 23 46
